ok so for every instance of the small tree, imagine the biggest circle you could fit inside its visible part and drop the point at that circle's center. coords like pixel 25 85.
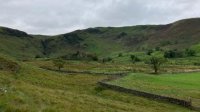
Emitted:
pixel 155 62
pixel 59 63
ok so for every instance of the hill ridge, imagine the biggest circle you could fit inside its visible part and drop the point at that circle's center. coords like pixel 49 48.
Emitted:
pixel 103 40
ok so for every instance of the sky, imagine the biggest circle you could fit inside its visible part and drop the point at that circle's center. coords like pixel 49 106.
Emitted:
pixel 51 17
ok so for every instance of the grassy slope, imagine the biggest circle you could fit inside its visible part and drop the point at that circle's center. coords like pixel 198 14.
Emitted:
pixel 19 47
pixel 103 41
pixel 179 35
pixel 184 86
pixel 33 89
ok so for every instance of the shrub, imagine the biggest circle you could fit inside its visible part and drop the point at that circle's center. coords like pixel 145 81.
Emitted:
pixel 120 55
pixel 149 52
pixel 81 56
pixel 93 57
pixel 197 63
pixel 122 34
pixel 135 58
pixel 190 52
pixel 165 43
pixel 59 63
pixel 108 59
pixel 94 30
pixel 157 48
pixel 37 56
pixel 8 65
pixel 173 54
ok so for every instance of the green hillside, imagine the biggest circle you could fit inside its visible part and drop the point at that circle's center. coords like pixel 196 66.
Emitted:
pixel 103 41
pixel 18 44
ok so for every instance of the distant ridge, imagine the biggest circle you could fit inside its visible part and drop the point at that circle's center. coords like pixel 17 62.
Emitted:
pixel 102 40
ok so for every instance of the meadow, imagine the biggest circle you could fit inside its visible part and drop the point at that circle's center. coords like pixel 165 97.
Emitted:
pixel 180 85
pixel 114 67
pixel 33 89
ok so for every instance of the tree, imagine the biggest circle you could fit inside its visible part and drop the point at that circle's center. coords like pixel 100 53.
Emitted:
pixel 155 62
pixel 59 63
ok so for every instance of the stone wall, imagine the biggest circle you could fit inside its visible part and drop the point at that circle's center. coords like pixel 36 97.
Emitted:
pixel 86 72
pixel 115 76
pixel 147 95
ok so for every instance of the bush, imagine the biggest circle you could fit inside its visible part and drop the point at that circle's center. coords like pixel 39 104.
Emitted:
pixel 8 65
pixel 158 48
pixel 81 56
pixel 37 56
pixel 190 52
pixel 120 55
pixel 108 59
pixel 92 57
pixel 165 43
pixel 122 34
pixel 135 58
pixel 173 54
pixel 149 52
pixel 59 63
pixel 197 63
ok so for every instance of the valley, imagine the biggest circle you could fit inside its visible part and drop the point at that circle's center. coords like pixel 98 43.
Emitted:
pixel 41 73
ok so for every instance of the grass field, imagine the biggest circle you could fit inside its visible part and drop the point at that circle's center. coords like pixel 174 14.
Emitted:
pixel 36 90
pixel 112 67
pixel 182 86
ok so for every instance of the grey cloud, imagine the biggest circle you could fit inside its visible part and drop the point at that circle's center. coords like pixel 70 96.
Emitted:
pixel 61 16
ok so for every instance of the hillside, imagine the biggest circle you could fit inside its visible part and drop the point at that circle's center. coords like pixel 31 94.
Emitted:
pixel 18 44
pixel 102 41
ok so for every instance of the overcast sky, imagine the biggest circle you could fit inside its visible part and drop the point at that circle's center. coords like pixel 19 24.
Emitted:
pixel 61 16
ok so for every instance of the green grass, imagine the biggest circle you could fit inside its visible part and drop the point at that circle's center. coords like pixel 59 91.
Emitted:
pixel 112 67
pixel 102 46
pixel 91 66
pixel 33 90
pixel 19 47
pixel 182 86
